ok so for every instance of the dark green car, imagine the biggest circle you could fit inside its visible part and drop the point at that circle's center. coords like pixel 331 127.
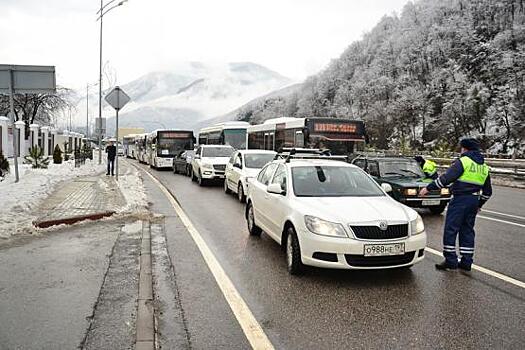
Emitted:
pixel 406 179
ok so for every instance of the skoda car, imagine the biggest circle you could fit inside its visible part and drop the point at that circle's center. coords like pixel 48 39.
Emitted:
pixel 332 214
pixel 406 178
pixel 244 165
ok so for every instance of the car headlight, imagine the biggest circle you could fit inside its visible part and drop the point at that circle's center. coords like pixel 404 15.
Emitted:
pixel 207 165
pixel 417 226
pixel 324 228
pixel 411 192
pixel 445 191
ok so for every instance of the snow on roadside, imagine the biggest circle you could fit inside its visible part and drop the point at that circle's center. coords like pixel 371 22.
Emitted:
pixel 19 200
pixel 132 188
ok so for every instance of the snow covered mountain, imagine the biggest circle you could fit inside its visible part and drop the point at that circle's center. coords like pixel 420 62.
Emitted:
pixel 192 93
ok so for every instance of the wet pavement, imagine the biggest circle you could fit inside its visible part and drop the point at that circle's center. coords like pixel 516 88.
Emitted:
pixel 328 309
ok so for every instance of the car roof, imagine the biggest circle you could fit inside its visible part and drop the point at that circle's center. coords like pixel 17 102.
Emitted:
pixel 316 162
pixel 216 146
pixel 256 151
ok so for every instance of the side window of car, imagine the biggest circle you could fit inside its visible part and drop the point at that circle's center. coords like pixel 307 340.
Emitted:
pixel 373 169
pixel 198 152
pixel 268 174
pixel 238 160
pixel 280 177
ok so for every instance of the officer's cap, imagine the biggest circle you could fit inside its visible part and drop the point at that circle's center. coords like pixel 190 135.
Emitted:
pixel 470 144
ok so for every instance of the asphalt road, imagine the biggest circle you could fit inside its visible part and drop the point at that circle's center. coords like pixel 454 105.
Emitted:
pixel 327 309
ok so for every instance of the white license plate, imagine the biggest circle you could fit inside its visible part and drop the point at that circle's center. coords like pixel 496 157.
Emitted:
pixel 431 202
pixel 384 249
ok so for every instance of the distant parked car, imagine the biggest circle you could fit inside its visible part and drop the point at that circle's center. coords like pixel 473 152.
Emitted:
pixel 182 162
pixel 244 165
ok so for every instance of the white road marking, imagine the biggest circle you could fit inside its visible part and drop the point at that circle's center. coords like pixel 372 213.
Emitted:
pixel 252 329
pixel 484 270
pixel 503 214
pixel 502 221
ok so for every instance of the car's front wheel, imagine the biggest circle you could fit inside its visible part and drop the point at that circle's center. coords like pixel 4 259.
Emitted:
pixel 202 181
pixel 253 229
pixel 226 188
pixel 293 253
pixel 192 175
pixel 240 193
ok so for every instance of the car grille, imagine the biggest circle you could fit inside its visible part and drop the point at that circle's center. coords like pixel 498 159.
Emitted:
pixel 378 261
pixel 220 167
pixel 374 232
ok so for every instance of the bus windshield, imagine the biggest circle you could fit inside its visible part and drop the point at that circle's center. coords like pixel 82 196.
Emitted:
pixel 169 147
pixel 235 138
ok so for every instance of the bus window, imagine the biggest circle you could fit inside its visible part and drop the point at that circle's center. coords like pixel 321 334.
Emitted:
pixel 235 138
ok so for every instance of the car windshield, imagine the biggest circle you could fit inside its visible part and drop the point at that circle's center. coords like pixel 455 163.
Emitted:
pixel 257 160
pixel 171 147
pixel 401 168
pixel 333 181
pixel 217 151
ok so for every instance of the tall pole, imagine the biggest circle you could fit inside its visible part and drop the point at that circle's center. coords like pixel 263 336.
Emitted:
pixel 116 158
pixel 87 112
pixel 15 129
pixel 100 90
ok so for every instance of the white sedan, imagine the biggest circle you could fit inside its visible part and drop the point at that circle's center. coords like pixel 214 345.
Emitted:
pixel 331 214
pixel 244 165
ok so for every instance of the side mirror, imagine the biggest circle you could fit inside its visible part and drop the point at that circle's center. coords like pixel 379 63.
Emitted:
pixel 196 156
pixel 386 187
pixel 237 165
pixel 275 189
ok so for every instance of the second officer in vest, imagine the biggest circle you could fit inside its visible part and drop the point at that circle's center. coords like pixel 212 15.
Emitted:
pixel 471 188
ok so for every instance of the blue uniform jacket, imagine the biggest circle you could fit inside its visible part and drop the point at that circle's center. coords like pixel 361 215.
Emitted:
pixel 458 188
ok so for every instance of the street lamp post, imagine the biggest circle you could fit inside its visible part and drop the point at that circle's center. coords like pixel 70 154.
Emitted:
pixel 102 12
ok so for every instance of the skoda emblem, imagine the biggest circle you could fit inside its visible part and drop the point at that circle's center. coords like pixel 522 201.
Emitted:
pixel 383 225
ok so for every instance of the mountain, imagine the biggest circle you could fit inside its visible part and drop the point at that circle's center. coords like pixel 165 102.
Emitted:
pixel 191 93
pixel 438 71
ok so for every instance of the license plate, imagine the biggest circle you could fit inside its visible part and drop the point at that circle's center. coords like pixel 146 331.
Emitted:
pixel 431 202
pixel 384 249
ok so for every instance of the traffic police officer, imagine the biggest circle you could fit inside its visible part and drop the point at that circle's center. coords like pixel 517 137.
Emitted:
pixel 471 188
pixel 428 166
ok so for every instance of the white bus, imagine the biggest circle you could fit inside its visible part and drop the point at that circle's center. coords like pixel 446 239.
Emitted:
pixel 128 143
pixel 163 145
pixel 340 136
pixel 227 133
pixel 140 148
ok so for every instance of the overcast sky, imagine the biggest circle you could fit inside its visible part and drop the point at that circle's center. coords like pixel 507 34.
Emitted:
pixel 293 37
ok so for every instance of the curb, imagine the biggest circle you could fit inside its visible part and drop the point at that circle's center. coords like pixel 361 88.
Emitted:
pixel 71 220
pixel 145 328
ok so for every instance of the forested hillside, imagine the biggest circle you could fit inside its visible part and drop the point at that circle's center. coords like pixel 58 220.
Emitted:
pixel 436 72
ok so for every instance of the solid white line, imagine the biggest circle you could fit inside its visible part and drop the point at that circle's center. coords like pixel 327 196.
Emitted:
pixel 502 221
pixel 503 214
pixel 495 274
pixel 252 329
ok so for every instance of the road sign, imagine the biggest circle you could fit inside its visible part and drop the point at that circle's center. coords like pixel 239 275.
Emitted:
pixel 117 98
pixel 27 79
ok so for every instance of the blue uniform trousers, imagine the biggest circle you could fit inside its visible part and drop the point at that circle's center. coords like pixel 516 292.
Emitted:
pixel 461 217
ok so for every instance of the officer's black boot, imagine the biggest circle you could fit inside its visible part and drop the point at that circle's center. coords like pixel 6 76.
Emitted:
pixel 444 266
pixel 464 266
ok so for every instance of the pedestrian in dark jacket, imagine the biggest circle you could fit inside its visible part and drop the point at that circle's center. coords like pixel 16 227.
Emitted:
pixel 471 188
pixel 111 150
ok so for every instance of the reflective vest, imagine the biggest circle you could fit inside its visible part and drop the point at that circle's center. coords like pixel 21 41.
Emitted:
pixel 429 167
pixel 473 173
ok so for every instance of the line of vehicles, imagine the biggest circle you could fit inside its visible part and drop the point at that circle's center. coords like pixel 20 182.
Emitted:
pixel 322 208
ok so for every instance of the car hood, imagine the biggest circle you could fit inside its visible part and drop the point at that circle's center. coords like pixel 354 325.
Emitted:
pixel 356 210
pixel 406 181
pixel 216 160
